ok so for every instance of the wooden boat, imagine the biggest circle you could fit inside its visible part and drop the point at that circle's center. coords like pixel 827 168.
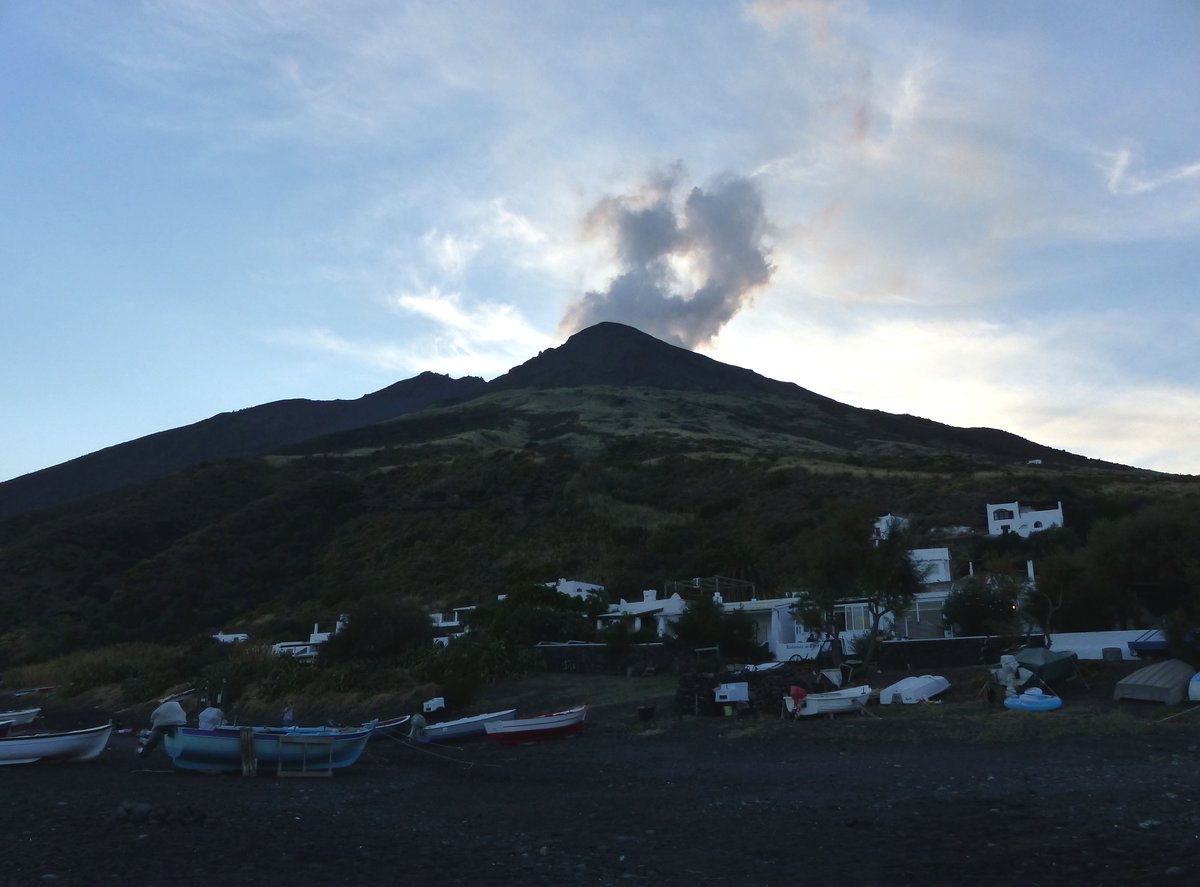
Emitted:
pixel 462 728
pixel 277 749
pixel 831 703
pixel 70 745
pixel 21 718
pixel 547 726
pixel 917 688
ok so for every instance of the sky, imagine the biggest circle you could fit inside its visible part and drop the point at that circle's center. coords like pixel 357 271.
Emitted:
pixel 987 214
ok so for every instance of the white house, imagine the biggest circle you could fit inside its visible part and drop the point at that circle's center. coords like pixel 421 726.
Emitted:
pixel 650 610
pixel 1013 517
pixel 231 637
pixel 576 589
pixel 308 649
pixel 448 626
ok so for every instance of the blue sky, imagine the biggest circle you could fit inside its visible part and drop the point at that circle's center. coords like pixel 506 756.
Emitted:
pixel 986 214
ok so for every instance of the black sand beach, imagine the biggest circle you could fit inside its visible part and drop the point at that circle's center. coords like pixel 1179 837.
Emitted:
pixel 679 800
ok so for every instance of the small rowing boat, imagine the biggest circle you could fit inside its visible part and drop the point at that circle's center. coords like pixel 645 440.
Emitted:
pixel 462 728
pixel 547 726
pixel 69 745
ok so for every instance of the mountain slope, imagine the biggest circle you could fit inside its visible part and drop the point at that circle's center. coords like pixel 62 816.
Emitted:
pixel 654 468
pixel 252 431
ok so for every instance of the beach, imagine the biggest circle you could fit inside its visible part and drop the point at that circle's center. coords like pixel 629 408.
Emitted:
pixel 676 800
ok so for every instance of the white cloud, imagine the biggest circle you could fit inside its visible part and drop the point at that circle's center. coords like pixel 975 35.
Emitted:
pixel 1121 181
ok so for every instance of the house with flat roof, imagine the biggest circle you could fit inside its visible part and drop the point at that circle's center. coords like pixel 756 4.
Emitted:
pixel 1024 520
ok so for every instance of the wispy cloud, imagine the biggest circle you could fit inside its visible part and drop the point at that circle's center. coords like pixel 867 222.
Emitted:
pixel 1123 181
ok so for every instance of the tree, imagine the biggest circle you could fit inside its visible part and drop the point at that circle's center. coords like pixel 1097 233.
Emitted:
pixel 533 613
pixel 984 605
pixel 889 582
pixel 845 564
pixel 705 623
pixel 833 568
pixel 379 627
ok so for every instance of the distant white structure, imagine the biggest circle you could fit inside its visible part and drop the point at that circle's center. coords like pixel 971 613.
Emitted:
pixel 576 589
pixel 231 638
pixel 650 610
pixel 308 649
pixel 1024 520
pixel 887 523
pixel 448 626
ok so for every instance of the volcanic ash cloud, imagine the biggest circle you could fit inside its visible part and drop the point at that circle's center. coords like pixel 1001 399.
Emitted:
pixel 685 268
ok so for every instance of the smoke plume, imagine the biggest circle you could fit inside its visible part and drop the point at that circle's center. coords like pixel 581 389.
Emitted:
pixel 685 270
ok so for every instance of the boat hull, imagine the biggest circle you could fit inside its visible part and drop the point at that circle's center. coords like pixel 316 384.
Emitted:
pixel 72 745
pixel 21 718
pixel 835 702
pixel 549 726
pixel 463 728
pixel 278 750
pixel 914 689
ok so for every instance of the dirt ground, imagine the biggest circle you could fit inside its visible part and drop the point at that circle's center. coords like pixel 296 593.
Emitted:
pixel 896 797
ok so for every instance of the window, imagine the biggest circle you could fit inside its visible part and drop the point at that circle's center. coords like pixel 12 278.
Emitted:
pixel 1002 514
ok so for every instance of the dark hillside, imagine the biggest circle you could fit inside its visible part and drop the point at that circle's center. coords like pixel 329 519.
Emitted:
pixel 455 504
pixel 246 432
pixel 614 459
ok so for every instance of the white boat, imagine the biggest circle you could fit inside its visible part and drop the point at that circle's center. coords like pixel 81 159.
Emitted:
pixel 463 728
pixel 71 745
pixel 831 703
pixel 559 723
pixel 914 689
pixel 20 718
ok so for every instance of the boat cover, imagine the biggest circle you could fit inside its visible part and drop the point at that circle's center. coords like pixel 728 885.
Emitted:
pixel 1048 665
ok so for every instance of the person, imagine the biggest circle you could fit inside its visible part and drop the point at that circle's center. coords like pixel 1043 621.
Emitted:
pixel 211 718
pixel 164 719
pixel 289 717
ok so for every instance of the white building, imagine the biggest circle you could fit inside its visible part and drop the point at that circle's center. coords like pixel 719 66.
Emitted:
pixel 576 589
pixel 308 649
pixel 448 626
pixel 651 610
pixel 1013 517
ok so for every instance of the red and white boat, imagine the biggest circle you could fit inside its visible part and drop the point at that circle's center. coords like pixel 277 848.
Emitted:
pixel 559 723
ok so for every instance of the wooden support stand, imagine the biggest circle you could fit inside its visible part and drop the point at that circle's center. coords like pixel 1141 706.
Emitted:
pixel 316 754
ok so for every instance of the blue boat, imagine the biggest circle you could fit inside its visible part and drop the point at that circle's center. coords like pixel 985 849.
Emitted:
pixel 246 750
pixel 1033 699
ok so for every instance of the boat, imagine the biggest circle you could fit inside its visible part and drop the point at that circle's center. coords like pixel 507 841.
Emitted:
pixel 399 727
pixel 20 718
pixel 280 749
pixel 1168 681
pixel 1033 699
pixel 1048 666
pixel 547 726
pixel 831 703
pixel 1194 688
pixel 462 728
pixel 70 745
pixel 918 688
